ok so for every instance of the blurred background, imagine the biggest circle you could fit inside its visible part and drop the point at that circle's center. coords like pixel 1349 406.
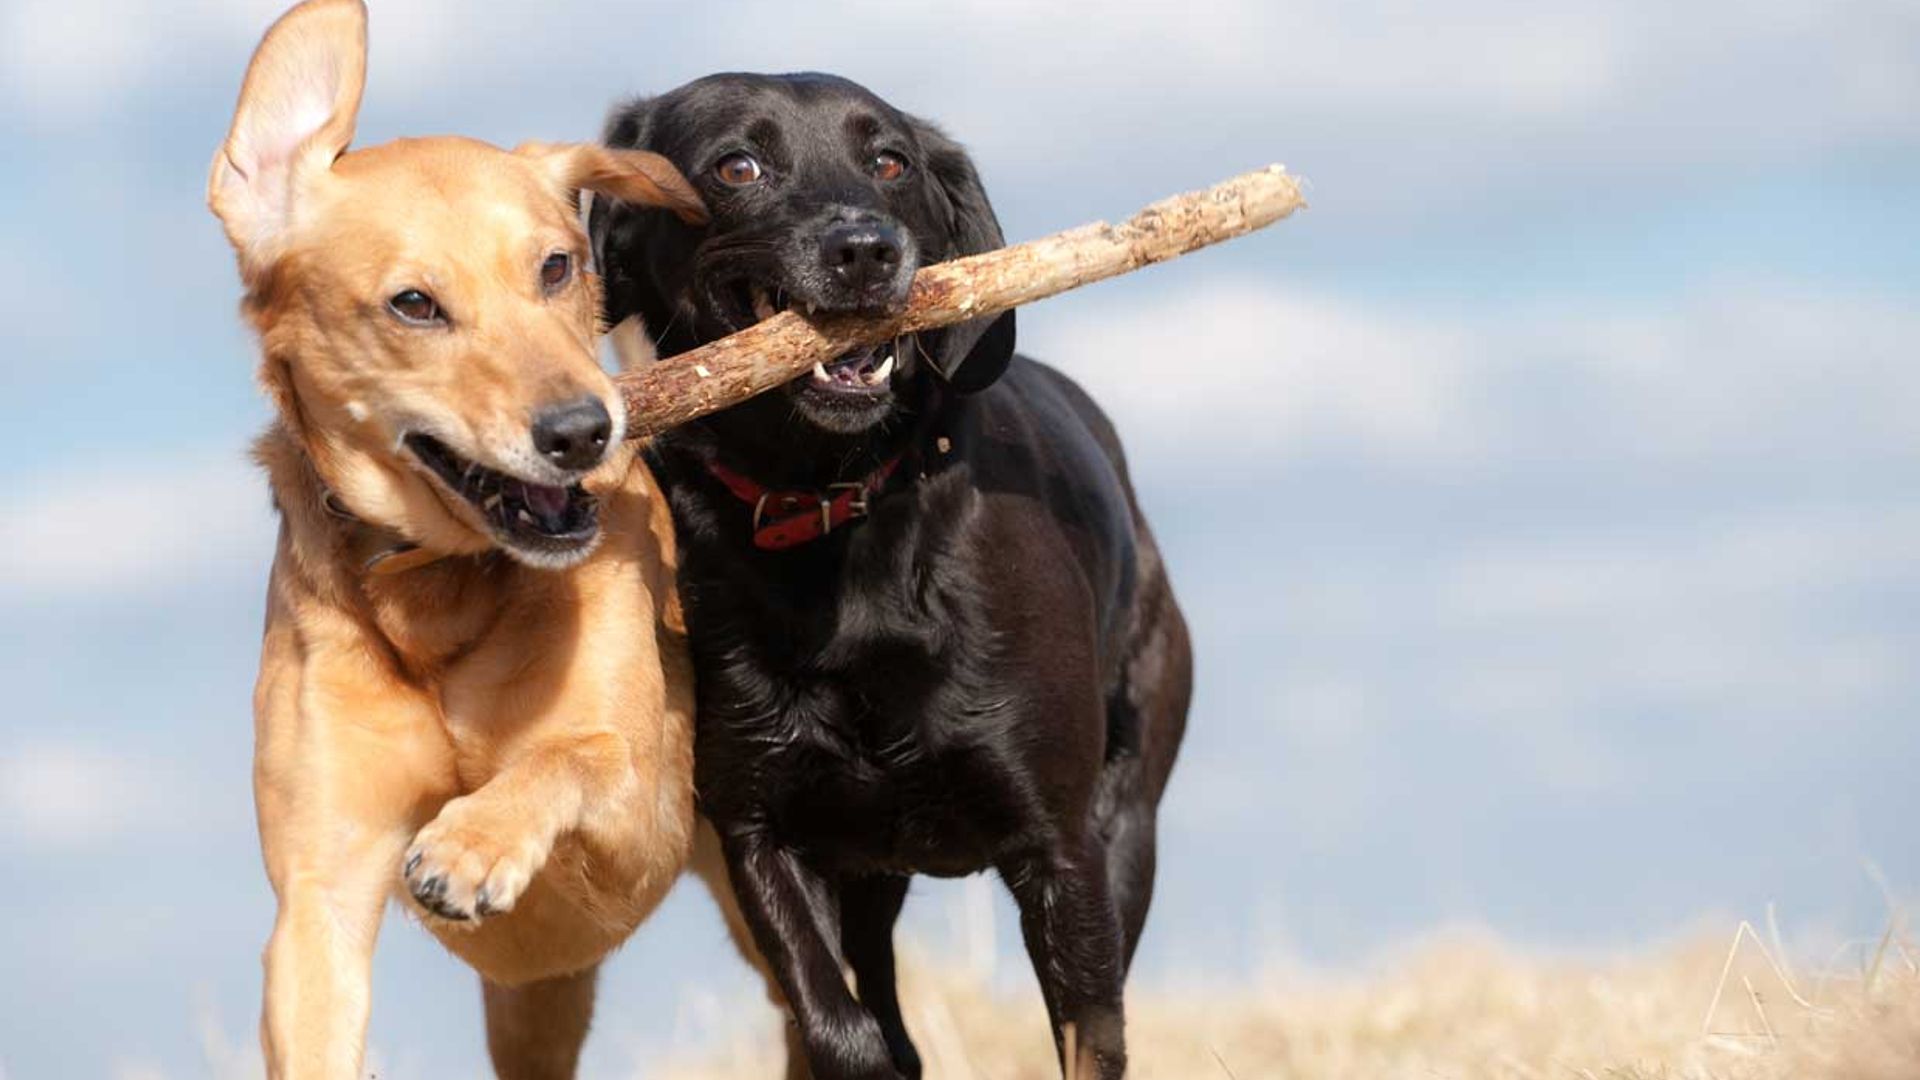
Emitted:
pixel 1546 499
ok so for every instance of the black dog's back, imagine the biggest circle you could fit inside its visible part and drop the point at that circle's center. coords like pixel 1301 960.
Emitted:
pixel 1037 433
pixel 1147 654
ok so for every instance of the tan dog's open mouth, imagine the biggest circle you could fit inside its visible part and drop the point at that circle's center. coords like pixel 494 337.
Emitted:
pixel 543 522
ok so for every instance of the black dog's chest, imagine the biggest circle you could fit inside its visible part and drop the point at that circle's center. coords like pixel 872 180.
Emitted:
pixel 888 766
pixel 896 804
pixel 859 697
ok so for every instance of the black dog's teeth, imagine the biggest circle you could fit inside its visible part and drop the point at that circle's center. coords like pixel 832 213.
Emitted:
pixel 865 370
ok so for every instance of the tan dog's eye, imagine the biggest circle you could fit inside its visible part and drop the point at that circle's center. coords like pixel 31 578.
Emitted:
pixel 416 307
pixel 888 166
pixel 556 271
pixel 738 169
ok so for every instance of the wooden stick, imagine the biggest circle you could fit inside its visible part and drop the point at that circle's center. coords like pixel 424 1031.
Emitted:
pixel 777 349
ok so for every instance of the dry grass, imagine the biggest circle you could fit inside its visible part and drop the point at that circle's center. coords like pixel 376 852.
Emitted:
pixel 1464 1007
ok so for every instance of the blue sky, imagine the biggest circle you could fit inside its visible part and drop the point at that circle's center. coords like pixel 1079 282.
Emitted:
pixel 1546 499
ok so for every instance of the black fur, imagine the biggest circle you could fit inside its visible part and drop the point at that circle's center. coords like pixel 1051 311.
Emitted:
pixel 988 672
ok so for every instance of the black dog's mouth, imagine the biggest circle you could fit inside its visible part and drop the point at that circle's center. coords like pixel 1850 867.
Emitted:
pixel 862 372
pixel 539 520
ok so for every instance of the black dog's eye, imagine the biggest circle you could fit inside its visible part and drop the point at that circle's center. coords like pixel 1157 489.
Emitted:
pixel 416 307
pixel 887 166
pixel 738 169
pixel 556 271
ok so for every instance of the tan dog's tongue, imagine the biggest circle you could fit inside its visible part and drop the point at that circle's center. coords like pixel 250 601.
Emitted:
pixel 548 502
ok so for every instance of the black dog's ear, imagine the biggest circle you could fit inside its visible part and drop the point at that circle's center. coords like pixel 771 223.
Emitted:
pixel 969 355
pixel 616 228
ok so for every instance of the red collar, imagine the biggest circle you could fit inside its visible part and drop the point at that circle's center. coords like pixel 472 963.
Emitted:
pixel 785 519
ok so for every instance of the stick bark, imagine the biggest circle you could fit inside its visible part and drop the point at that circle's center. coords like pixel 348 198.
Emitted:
pixel 728 371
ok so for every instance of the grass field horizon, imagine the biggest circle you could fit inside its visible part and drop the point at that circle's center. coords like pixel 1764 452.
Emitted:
pixel 1458 1003
pixel 1740 996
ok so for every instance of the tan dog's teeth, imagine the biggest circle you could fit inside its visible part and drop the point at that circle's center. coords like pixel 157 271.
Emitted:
pixel 492 503
pixel 810 308
pixel 820 374
pixel 523 517
pixel 762 306
pixel 880 373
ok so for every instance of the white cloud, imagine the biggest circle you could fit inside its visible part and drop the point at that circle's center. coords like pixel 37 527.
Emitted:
pixel 59 796
pixel 1541 661
pixel 1723 615
pixel 1269 371
pixel 73 57
pixel 1747 622
pixel 135 525
pixel 1708 78
pixel 1716 376
pixel 1741 368
pixel 1764 561
pixel 70 61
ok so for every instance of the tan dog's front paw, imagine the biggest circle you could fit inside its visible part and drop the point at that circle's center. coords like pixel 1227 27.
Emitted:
pixel 469 863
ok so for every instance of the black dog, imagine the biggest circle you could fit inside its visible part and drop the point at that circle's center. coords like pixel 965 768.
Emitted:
pixel 932 632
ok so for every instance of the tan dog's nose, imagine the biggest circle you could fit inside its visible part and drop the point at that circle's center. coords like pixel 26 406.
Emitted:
pixel 573 436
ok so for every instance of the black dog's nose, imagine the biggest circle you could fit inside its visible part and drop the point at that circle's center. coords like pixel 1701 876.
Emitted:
pixel 573 436
pixel 863 254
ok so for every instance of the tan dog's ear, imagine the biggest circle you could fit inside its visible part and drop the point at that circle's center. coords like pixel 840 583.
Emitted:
pixel 633 176
pixel 296 115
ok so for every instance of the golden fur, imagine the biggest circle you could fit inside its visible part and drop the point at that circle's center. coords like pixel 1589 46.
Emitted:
pixel 518 733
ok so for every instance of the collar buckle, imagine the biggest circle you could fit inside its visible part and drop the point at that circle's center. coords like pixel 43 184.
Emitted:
pixel 862 491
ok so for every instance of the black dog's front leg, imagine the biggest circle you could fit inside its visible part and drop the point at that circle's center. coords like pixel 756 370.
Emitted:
pixel 1073 938
pixel 870 906
pixel 796 923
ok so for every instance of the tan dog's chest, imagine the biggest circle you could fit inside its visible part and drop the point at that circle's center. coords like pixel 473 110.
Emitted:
pixel 480 696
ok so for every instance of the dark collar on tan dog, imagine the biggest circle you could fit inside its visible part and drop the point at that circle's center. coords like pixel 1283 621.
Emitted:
pixel 391 553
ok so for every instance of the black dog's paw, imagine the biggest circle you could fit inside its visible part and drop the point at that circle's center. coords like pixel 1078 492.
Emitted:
pixel 853 1049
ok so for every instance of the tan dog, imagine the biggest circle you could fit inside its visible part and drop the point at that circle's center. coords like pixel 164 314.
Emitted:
pixel 473 680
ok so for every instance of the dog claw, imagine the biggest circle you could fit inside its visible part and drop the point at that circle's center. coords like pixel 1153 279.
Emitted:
pixel 468 865
pixel 431 894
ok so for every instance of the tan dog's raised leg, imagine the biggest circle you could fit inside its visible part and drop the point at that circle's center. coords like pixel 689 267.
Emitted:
pixel 574 772
pixel 345 761
pixel 477 857
pixel 534 1032
pixel 482 850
